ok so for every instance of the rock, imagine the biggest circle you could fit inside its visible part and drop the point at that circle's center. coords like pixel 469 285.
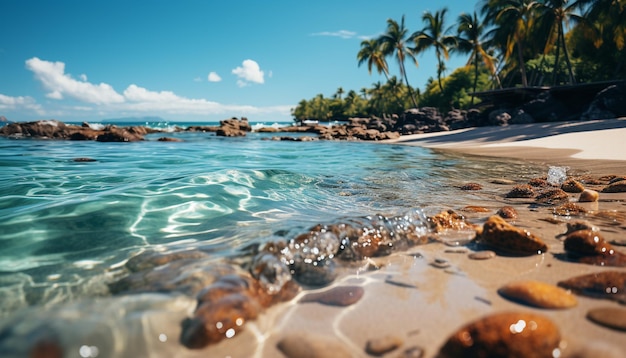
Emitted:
pixel 412 352
pixel 538 294
pixel 607 104
pixel 617 187
pixel 471 186
pixel 338 296
pixel 611 317
pixel 449 220
pixel 505 237
pixel 380 346
pixel 588 196
pixel 508 334
pixel 569 209
pixel 499 117
pixel 539 183
pixel 552 196
pixel 307 345
pixel 507 212
pixel 521 191
pixel 84 160
pixel 169 139
pixel 572 186
pixel 501 181
pixel 476 209
pixel 588 246
pixel 482 255
pixel 226 305
pixel 609 285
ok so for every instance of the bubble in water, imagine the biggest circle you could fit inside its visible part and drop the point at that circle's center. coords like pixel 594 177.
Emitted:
pixel 557 175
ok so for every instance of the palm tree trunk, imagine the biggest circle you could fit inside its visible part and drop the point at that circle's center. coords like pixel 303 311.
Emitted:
pixel 521 64
pixel 572 79
pixel 475 79
pixel 406 80
pixel 555 71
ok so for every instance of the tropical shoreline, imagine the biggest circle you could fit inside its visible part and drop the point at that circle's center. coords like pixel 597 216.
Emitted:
pixel 595 145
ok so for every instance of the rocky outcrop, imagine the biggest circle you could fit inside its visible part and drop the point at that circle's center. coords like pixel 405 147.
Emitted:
pixel 53 129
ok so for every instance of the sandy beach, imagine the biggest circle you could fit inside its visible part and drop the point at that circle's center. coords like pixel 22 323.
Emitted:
pixel 416 304
pixel 595 145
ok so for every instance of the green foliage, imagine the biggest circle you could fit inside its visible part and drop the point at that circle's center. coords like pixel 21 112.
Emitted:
pixel 457 89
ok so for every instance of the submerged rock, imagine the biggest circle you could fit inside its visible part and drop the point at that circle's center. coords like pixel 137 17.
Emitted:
pixel 337 296
pixel 508 334
pixel 609 285
pixel 507 238
pixel 226 305
pixel 538 294
pixel 482 255
pixel 471 186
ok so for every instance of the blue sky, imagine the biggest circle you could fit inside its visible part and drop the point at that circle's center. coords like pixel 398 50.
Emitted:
pixel 192 60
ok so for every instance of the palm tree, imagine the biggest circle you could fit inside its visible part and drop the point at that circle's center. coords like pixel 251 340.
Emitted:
pixel 471 39
pixel 339 93
pixel 394 43
pixel 516 19
pixel 435 35
pixel 371 53
pixel 555 14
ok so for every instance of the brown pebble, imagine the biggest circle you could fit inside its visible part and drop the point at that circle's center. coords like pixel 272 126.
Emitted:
pixel 507 334
pixel 610 317
pixel 589 196
pixel 508 212
pixel 449 220
pixel 482 255
pixel 538 294
pixel 618 187
pixel 569 209
pixel 521 191
pixel 505 237
pixel 572 186
pixel 379 346
pixel 471 186
pixel 310 345
pixel 169 139
pixel 336 296
pixel 396 282
pixel 609 285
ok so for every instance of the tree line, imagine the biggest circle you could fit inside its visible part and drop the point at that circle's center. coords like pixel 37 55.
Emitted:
pixel 508 43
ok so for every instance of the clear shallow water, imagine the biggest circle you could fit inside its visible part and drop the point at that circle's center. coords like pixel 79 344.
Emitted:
pixel 66 224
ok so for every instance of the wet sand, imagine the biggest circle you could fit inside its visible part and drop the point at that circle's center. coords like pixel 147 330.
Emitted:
pixel 420 305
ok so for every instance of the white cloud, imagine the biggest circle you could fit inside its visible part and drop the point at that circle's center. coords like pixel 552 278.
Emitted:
pixel 344 34
pixel 103 100
pixel 214 77
pixel 83 77
pixel 8 103
pixel 248 72
pixel 54 79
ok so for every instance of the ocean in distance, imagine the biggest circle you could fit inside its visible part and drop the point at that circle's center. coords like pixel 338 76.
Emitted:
pixel 68 225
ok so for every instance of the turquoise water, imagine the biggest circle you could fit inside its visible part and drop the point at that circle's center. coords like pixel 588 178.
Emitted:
pixel 66 224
